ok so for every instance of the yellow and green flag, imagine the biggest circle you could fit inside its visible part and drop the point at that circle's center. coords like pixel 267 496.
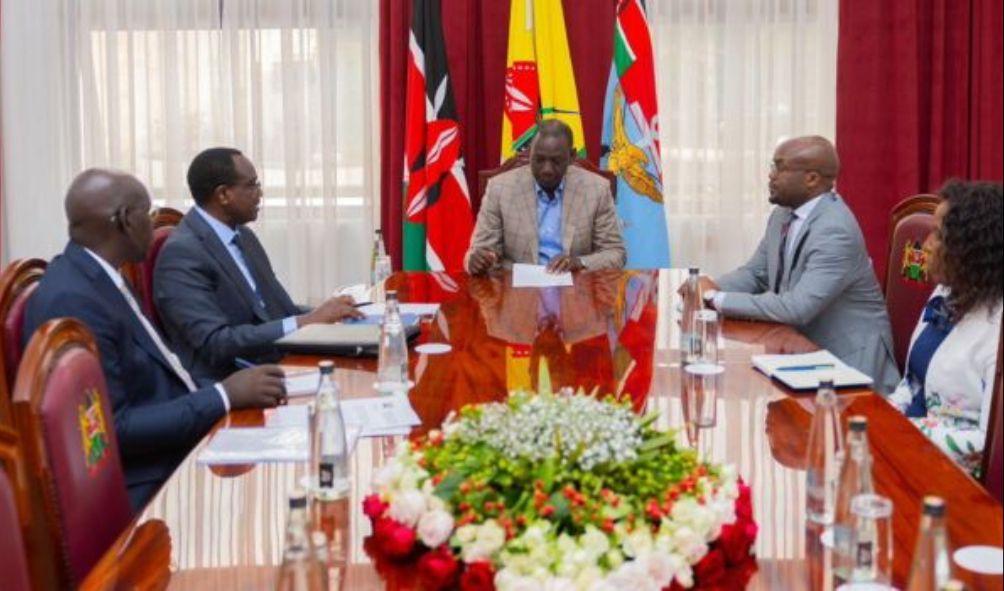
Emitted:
pixel 539 79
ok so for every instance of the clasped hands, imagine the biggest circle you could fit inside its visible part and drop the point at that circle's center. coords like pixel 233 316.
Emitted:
pixel 483 259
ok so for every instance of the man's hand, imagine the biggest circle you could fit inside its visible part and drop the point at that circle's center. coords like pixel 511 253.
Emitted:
pixel 263 386
pixel 564 263
pixel 704 281
pixel 482 260
pixel 332 310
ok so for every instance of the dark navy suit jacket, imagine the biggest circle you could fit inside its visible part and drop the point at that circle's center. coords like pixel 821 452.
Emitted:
pixel 207 306
pixel 157 420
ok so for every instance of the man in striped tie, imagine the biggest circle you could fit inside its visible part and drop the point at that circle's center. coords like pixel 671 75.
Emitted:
pixel 160 412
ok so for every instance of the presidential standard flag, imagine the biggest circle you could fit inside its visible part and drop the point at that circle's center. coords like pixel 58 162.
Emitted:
pixel 438 220
pixel 539 79
pixel 631 140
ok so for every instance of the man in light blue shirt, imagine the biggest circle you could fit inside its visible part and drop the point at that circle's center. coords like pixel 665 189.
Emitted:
pixel 215 290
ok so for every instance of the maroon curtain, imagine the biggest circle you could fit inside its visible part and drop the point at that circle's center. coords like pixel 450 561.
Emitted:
pixel 919 100
pixel 476 34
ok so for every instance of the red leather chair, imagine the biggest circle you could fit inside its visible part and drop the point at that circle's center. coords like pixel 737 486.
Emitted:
pixel 13 563
pixel 71 453
pixel 141 275
pixel 523 159
pixel 993 451
pixel 907 285
pixel 17 283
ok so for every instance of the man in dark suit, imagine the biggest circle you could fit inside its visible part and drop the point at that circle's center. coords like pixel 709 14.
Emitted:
pixel 215 290
pixel 159 411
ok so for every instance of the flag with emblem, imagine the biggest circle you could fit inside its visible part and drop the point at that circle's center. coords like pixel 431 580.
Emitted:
pixel 539 79
pixel 438 219
pixel 631 140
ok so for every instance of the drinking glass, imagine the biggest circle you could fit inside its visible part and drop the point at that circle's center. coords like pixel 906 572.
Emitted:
pixel 872 543
pixel 701 384
pixel 707 329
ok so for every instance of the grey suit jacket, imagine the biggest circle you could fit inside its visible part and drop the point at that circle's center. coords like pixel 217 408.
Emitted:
pixel 507 222
pixel 829 291
pixel 208 309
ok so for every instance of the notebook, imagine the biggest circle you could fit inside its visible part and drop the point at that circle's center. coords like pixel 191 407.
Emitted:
pixel 356 338
pixel 803 371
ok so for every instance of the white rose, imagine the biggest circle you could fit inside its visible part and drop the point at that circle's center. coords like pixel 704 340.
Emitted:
pixel 407 507
pixel 690 544
pixel 661 567
pixel 588 577
pixel 559 584
pixel 507 580
pixel 594 542
pixel 685 576
pixel 638 542
pixel 491 535
pixel 632 575
pixel 467 533
pixel 435 527
pixel 535 535
pixel 387 476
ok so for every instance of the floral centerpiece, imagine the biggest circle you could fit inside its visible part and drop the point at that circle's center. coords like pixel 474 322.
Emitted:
pixel 548 492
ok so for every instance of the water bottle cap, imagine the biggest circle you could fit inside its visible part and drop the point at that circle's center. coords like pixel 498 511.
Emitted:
pixel 858 423
pixel 826 382
pixel 326 366
pixel 694 270
pixel 934 506
pixel 378 231
pixel 298 499
pixel 391 294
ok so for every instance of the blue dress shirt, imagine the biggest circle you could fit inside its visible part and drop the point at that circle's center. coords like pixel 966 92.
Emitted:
pixel 549 223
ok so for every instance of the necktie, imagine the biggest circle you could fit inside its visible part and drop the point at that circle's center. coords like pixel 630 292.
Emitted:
pixel 252 280
pixel 171 358
pixel 781 252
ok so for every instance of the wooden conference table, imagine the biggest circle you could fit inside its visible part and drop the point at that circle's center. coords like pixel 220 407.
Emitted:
pixel 222 528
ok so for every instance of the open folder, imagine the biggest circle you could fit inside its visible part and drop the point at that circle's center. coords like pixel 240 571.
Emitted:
pixel 803 371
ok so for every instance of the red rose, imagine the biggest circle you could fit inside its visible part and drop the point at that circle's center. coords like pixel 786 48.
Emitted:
pixel 744 504
pixel 478 576
pixel 736 542
pixel 383 527
pixel 374 507
pixel 438 568
pixel 711 569
pixel 393 539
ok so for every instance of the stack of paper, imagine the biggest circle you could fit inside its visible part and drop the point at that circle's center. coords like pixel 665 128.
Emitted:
pixel 803 371
pixel 377 310
pixel 381 415
pixel 302 381
pixel 524 275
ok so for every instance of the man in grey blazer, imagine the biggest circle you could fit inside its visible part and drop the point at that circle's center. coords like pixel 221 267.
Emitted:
pixel 547 213
pixel 811 269
pixel 214 287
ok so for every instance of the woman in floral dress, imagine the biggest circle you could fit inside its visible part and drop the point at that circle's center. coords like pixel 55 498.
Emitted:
pixel 949 377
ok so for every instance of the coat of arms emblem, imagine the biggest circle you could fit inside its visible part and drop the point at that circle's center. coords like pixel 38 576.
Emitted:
pixel 914 262
pixel 93 430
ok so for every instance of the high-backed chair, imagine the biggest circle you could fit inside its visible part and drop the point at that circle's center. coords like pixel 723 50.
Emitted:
pixel 907 284
pixel 523 159
pixel 13 561
pixel 17 282
pixel 71 453
pixel 993 451
pixel 141 275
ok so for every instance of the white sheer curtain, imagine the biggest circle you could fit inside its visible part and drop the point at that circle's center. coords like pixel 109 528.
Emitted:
pixel 734 78
pixel 291 83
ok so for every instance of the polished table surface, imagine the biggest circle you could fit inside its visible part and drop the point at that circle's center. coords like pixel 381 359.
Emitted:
pixel 222 528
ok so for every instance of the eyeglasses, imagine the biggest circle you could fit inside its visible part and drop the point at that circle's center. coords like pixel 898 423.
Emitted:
pixel 248 184
pixel 774 168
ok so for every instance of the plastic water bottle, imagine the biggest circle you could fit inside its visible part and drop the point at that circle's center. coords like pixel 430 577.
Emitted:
pixel 300 570
pixel 932 564
pixel 329 449
pixel 855 479
pixel 824 457
pixel 692 304
pixel 392 365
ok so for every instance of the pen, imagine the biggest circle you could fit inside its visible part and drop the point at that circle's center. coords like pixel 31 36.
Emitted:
pixel 805 367
pixel 361 304
pixel 242 363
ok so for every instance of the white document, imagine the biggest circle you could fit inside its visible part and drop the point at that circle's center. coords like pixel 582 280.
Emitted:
pixel 257 444
pixel 524 275
pixel 404 308
pixel 360 292
pixel 301 381
pixel 296 415
pixel 803 371
pixel 381 415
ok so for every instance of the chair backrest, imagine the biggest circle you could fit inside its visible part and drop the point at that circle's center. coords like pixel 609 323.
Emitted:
pixel 140 275
pixel 13 563
pixel 523 159
pixel 71 452
pixel 993 450
pixel 907 285
pixel 17 282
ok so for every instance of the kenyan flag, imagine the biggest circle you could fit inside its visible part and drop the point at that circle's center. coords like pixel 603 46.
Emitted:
pixel 438 220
